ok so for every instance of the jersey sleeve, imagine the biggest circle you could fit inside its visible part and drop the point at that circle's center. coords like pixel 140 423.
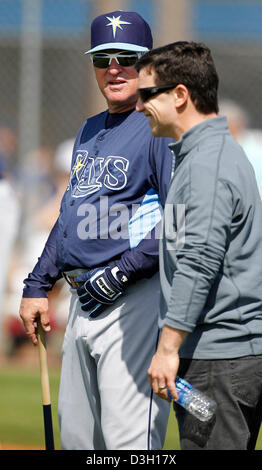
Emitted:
pixel 142 261
pixel 45 273
pixel 162 161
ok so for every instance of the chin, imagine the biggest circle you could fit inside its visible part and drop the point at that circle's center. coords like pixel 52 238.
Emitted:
pixel 120 100
pixel 156 132
pixel 159 131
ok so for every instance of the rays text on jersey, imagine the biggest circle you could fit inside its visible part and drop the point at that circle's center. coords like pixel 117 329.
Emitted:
pixel 90 174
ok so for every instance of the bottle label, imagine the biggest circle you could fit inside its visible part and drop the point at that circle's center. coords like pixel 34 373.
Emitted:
pixel 182 387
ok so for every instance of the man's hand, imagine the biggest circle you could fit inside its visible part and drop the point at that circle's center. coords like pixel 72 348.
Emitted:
pixel 164 366
pixel 102 286
pixel 162 374
pixel 30 310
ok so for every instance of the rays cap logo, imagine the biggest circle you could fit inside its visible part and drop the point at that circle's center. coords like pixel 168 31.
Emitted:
pixel 120 30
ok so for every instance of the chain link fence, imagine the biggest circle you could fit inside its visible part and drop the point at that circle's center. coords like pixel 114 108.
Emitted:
pixel 65 87
pixel 240 68
pixel 43 52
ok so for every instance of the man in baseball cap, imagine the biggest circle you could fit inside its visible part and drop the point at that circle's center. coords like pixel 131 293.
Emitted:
pixel 105 243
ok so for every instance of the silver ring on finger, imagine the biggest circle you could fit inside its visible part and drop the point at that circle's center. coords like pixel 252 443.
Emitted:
pixel 162 388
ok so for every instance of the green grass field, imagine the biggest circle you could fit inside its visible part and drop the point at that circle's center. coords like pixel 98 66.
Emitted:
pixel 21 415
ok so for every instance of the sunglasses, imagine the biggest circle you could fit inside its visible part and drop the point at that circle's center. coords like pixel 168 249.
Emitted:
pixel 102 60
pixel 147 93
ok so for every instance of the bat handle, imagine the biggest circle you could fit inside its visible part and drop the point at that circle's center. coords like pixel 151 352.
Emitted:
pixel 46 400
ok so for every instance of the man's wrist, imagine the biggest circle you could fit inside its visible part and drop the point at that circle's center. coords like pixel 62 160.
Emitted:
pixel 118 274
pixel 171 340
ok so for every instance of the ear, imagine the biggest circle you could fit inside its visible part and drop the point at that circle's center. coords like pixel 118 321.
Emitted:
pixel 181 95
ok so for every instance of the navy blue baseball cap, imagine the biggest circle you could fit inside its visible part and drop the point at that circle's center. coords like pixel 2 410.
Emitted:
pixel 119 29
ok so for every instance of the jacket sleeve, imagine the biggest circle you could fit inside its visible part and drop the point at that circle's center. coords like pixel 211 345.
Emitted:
pixel 45 273
pixel 199 259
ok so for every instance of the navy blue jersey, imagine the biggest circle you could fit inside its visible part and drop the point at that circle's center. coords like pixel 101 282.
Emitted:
pixel 111 209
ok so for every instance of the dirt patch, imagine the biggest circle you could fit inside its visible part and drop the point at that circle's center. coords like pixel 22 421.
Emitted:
pixel 10 446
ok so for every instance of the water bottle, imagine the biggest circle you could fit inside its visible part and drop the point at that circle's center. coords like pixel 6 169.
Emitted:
pixel 194 401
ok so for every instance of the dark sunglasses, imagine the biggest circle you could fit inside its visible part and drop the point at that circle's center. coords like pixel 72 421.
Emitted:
pixel 102 60
pixel 147 93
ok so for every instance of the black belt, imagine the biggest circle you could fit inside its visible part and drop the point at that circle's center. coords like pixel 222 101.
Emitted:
pixel 71 280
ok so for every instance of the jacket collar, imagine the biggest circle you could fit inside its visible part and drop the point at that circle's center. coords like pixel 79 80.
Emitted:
pixel 192 137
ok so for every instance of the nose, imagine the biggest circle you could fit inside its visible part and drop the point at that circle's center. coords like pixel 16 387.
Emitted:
pixel 140 108
pixel 114 67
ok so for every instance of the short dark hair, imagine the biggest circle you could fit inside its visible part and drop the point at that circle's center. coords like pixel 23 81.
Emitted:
pixel 188 63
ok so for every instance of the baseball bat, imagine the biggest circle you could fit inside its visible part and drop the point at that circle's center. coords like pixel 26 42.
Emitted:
pixel 46 401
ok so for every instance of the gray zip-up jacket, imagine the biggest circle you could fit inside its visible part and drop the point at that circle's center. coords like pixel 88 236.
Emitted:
pixel 211 248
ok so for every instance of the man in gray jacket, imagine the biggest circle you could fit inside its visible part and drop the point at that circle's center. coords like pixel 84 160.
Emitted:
pixel 210 252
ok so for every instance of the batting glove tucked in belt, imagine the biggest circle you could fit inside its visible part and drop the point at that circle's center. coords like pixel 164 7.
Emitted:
pixel 102 286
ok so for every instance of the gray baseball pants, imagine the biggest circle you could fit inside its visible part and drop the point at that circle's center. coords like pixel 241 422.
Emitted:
pixel 105 400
